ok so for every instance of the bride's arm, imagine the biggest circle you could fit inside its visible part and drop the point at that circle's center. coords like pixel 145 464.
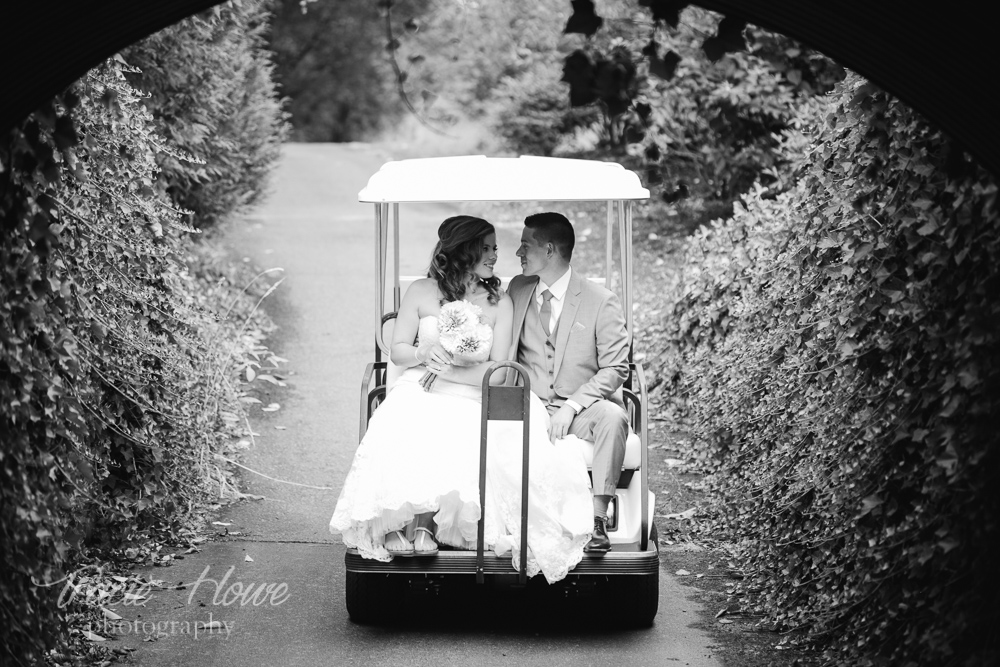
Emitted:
pixel 421 294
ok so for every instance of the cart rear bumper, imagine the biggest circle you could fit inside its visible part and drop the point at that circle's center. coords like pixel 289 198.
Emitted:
pixel 618 562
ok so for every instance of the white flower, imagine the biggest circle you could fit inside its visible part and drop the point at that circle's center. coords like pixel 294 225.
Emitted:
pixel 463 331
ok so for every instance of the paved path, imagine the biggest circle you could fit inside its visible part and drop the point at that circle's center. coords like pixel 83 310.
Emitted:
pixel 284 562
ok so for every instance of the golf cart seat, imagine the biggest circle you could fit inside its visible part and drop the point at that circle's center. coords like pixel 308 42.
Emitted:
pixel 633 454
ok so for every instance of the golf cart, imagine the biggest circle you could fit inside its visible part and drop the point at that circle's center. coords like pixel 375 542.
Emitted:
pixel 626 577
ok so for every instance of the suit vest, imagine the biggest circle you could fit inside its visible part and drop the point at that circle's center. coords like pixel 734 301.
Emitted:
pixel 537 352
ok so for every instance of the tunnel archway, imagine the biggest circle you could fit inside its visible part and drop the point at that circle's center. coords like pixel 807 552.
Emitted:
pixel 937 60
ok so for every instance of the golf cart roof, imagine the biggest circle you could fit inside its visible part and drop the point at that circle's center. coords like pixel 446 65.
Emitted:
pixel 481 178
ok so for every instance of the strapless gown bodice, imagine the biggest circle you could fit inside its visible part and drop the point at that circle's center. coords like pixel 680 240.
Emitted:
pixel 427 332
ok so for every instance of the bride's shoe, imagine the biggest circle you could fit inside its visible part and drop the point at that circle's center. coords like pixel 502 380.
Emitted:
pixel 421 536
pixel 397 539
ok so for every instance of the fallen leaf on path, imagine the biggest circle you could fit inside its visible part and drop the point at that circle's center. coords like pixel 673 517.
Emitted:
pixel 110 615
pixel 682 573
pixel 271 407
pixel 221 523
pixel 213 625
pixel 280 428
pixel 686 514
pixel 94 637
pixel 248 559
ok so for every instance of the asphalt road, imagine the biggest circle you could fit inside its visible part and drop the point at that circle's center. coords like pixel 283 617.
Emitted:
pixel 273 594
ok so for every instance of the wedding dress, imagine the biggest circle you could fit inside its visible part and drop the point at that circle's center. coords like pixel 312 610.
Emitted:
pixel 421 454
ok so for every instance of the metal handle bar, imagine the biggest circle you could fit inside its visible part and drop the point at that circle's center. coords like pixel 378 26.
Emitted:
pixel 501 403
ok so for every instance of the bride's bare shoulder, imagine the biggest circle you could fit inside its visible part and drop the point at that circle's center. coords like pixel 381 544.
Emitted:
pixel 504 303
pixel 422 287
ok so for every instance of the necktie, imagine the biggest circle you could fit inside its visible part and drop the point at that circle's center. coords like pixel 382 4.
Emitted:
pixel 545 312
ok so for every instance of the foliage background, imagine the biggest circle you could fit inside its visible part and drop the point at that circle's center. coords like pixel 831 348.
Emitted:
pixel 222 116
pixel 118 347
pixel 836 351
pixel 830 337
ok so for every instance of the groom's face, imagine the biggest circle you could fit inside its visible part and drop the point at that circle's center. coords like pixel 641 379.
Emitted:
pixel 534 255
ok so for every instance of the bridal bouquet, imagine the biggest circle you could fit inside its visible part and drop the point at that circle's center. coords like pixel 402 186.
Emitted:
pixel 462 331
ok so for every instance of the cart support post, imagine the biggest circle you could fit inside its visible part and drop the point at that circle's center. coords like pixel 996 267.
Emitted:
pixel 643 407
pixel 504 403
pixel 381 228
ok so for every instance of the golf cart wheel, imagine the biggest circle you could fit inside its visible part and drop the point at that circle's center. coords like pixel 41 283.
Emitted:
pixel 370 597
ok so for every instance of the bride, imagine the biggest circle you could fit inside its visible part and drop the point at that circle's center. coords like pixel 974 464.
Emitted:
pixel 414 482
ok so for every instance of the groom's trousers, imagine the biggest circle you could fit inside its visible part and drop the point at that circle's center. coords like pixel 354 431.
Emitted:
pixel 606 425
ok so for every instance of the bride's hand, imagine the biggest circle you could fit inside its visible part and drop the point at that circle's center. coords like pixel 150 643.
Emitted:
pixel 441 370
pixel 432 355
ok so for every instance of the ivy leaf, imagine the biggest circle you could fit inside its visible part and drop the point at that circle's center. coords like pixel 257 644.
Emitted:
pixel 928 227
pixel 584 20
pixel 869 503
pixel 862 93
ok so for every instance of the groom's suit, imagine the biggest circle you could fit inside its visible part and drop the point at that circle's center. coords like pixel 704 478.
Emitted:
pixel 585 359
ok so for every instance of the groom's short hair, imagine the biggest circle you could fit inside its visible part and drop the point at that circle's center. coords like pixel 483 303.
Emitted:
pixel 554 228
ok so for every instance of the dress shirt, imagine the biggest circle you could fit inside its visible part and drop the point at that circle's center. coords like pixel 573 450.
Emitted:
pixel 558 290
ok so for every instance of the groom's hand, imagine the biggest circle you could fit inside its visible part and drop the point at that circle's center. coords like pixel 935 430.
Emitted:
pixel 560 421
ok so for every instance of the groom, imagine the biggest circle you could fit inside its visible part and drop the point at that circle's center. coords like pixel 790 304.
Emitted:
pixel 570 335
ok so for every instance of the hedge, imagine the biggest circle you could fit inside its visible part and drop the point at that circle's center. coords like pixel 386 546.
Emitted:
pixel 211 91
pixel 115 368
pixel 837 348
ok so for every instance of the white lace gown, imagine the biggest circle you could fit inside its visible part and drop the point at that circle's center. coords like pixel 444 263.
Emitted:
pixel 421 454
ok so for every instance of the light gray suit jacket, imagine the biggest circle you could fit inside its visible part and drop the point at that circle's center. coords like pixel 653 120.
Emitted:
pixel 591 358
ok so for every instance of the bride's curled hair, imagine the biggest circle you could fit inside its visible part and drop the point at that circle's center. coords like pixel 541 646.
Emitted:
pixel 458 250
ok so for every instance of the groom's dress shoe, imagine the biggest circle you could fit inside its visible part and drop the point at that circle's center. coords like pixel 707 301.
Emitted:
pixel 599 543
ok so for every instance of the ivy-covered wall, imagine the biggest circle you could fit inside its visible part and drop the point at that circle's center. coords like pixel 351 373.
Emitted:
pixel 839 350
pixel 112 362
